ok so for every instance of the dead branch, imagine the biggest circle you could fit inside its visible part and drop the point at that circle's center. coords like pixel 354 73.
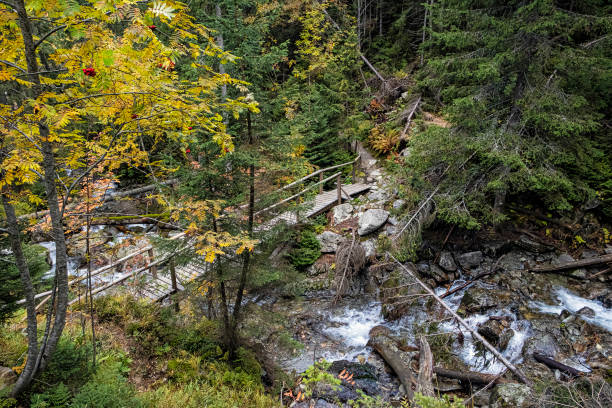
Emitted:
pixel 555 365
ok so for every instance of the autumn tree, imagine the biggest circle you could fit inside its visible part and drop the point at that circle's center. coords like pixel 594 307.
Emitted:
pixel 87 80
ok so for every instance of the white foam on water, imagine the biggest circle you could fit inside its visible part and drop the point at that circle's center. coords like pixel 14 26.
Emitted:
pixel 50 247
pixel 354 325
pixel 573 303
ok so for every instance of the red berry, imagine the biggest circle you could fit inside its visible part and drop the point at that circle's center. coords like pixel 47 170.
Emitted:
pixel 188 151
pixel 152 27
pixel 190 128
pixel 134 116
pixel 89 72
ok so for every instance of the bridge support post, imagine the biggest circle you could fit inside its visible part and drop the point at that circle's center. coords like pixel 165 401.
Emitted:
pixel 172 267
pixel 321 185
pixel 339 184
pixel 153 269
pixel 173 275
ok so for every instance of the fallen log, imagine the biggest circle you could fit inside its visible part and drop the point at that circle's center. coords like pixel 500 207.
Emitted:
pixel 600 260
pixel 388 350
pixel 474 279
pixel 555 365
pixel 424 384
pixel 470 376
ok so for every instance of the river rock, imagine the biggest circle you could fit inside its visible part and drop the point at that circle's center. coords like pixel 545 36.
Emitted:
pixel 511 395
pixel 586 311
pixel 438 274
pixel 372 220
pixel 342 212
pixel 447 262
pixel 470 260
pixel 7 377
pixel 329 241
pixel 544 344
pixel 492 331
pixel 478 299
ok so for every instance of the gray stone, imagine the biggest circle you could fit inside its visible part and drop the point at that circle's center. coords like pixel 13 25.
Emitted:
pixel 329 241
pixel 393 221
pixel 479 299
pixel 438 274
pixel 447 262
pixel 608 249
pixel 492 331
pixel 544 344
pixel 372 220
pixel 589 253
pixel 342 212
pixel 7 377
pixel 586 311
pixel 370 247
pixel 470 260
pixel 579 273
pixel 398 204
pixel 511 395
pixel 378 194
pixel 561 259
pixel 390 230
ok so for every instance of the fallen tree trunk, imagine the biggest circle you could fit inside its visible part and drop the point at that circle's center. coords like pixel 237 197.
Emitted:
pixel 388 350
pixel 555 365
pixel 424 384
pixel 469 376
pixel 600 260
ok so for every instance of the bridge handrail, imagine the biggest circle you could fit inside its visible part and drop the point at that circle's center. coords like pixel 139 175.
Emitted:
pixel 104 268
pixel 337 166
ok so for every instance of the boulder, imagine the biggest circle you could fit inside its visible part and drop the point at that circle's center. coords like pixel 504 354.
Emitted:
pixel 329 241
pixel 470 260
pixel 543 344
pixel 371 220
pixel 447 262
pixel 510 395
pixel 479 299
pixel 7 377
pixel 342 212
pixel 438 274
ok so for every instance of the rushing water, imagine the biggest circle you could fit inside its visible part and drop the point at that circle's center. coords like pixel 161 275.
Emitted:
pixel 573 303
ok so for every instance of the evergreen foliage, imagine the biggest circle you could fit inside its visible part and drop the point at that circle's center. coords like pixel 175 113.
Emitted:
pixel 524 86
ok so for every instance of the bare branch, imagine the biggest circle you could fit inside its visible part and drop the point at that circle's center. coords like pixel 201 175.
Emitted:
pixel 10 64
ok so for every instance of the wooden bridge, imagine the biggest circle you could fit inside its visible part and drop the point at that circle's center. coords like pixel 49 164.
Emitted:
pixel 158 277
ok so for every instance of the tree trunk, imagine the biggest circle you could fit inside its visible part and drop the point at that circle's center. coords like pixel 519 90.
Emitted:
pixel 247 253
pixel 48 165
pixel 24 272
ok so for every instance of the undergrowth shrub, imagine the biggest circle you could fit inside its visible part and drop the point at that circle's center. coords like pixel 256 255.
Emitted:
pixel 307 250
pixel 107 389
pixel 70 364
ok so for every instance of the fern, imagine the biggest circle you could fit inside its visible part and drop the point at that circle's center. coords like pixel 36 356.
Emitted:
pixel 161 9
